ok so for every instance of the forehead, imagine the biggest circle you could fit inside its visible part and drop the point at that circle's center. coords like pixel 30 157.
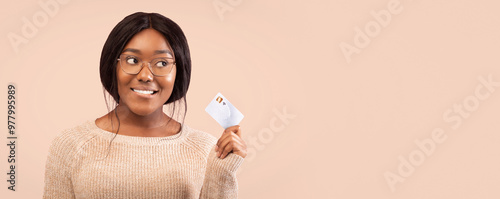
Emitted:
pixel 148 41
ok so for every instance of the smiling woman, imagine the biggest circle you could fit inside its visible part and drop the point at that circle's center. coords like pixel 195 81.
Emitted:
pixel 136 150
pixel 143 90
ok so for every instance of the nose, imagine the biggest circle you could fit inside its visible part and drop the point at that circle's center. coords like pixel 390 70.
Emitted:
pixel 145 75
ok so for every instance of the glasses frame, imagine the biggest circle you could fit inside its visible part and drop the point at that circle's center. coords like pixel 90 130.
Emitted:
pixel 142 65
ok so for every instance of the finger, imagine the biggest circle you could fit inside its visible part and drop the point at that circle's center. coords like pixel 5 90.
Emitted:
pixel 224 134
pixel 227 149
pixel 223 137
pixel 223 141
pixel 228 131
pixel 233 136
pixel 226 138
pixel 229 146
pixel 233 129
pixel 238 131
pixel 236 146
pixel 239 150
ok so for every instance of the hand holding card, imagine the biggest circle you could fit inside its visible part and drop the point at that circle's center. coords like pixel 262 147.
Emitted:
pixel 228 117
pixel 223 111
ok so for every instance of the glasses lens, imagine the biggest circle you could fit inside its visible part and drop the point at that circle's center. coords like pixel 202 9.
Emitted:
pixel 162 66
pixel 130 64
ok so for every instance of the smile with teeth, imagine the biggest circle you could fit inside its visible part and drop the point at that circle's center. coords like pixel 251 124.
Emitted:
pixel 144 91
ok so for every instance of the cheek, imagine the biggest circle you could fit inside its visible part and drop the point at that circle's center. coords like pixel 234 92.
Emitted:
pixel 170 79
pixel 167 84
pixel 122 81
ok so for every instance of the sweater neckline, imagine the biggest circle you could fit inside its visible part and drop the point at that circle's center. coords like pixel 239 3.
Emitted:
pixel 138 139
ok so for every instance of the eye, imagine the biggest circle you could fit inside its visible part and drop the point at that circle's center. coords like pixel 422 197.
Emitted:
pixel 161 63
pixel 132 60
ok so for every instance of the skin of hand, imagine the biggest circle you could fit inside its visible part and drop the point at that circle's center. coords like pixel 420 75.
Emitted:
pixel 231 141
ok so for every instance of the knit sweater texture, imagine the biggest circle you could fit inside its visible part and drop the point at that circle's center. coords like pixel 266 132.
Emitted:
pixel 82 164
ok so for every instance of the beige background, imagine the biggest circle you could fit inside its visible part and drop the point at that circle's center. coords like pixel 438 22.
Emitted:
pixel 353 121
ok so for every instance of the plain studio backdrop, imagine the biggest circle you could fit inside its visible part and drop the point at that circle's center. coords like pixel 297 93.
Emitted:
pixel 342 99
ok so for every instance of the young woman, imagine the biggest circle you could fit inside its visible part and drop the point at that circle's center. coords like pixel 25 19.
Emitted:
pixel 136 150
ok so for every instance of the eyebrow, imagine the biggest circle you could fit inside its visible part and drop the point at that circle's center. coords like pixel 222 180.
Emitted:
pixel 133 50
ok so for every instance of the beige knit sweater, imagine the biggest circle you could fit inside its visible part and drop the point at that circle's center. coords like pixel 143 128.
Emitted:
pixel 178 166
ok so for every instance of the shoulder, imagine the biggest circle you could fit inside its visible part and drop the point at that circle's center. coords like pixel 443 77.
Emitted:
pixel 200 140
pixel 70 140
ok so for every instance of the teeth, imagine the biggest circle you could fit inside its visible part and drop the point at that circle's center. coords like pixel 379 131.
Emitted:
pixel 143 92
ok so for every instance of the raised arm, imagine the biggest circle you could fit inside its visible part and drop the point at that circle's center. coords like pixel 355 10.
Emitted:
pixel 220 177
pixel 224 159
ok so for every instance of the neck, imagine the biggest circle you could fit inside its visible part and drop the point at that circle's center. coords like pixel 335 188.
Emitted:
pixel 155 124
pixel 154 120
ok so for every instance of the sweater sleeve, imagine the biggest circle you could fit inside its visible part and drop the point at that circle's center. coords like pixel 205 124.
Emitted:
pixel 58 168
pixel 220 177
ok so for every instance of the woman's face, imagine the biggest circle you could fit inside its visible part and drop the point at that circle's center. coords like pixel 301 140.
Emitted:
pixel 133 89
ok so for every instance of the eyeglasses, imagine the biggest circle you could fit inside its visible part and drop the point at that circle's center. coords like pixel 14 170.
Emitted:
pixel 133 65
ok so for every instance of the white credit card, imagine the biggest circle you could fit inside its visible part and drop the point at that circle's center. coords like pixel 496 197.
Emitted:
pixel 223 111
